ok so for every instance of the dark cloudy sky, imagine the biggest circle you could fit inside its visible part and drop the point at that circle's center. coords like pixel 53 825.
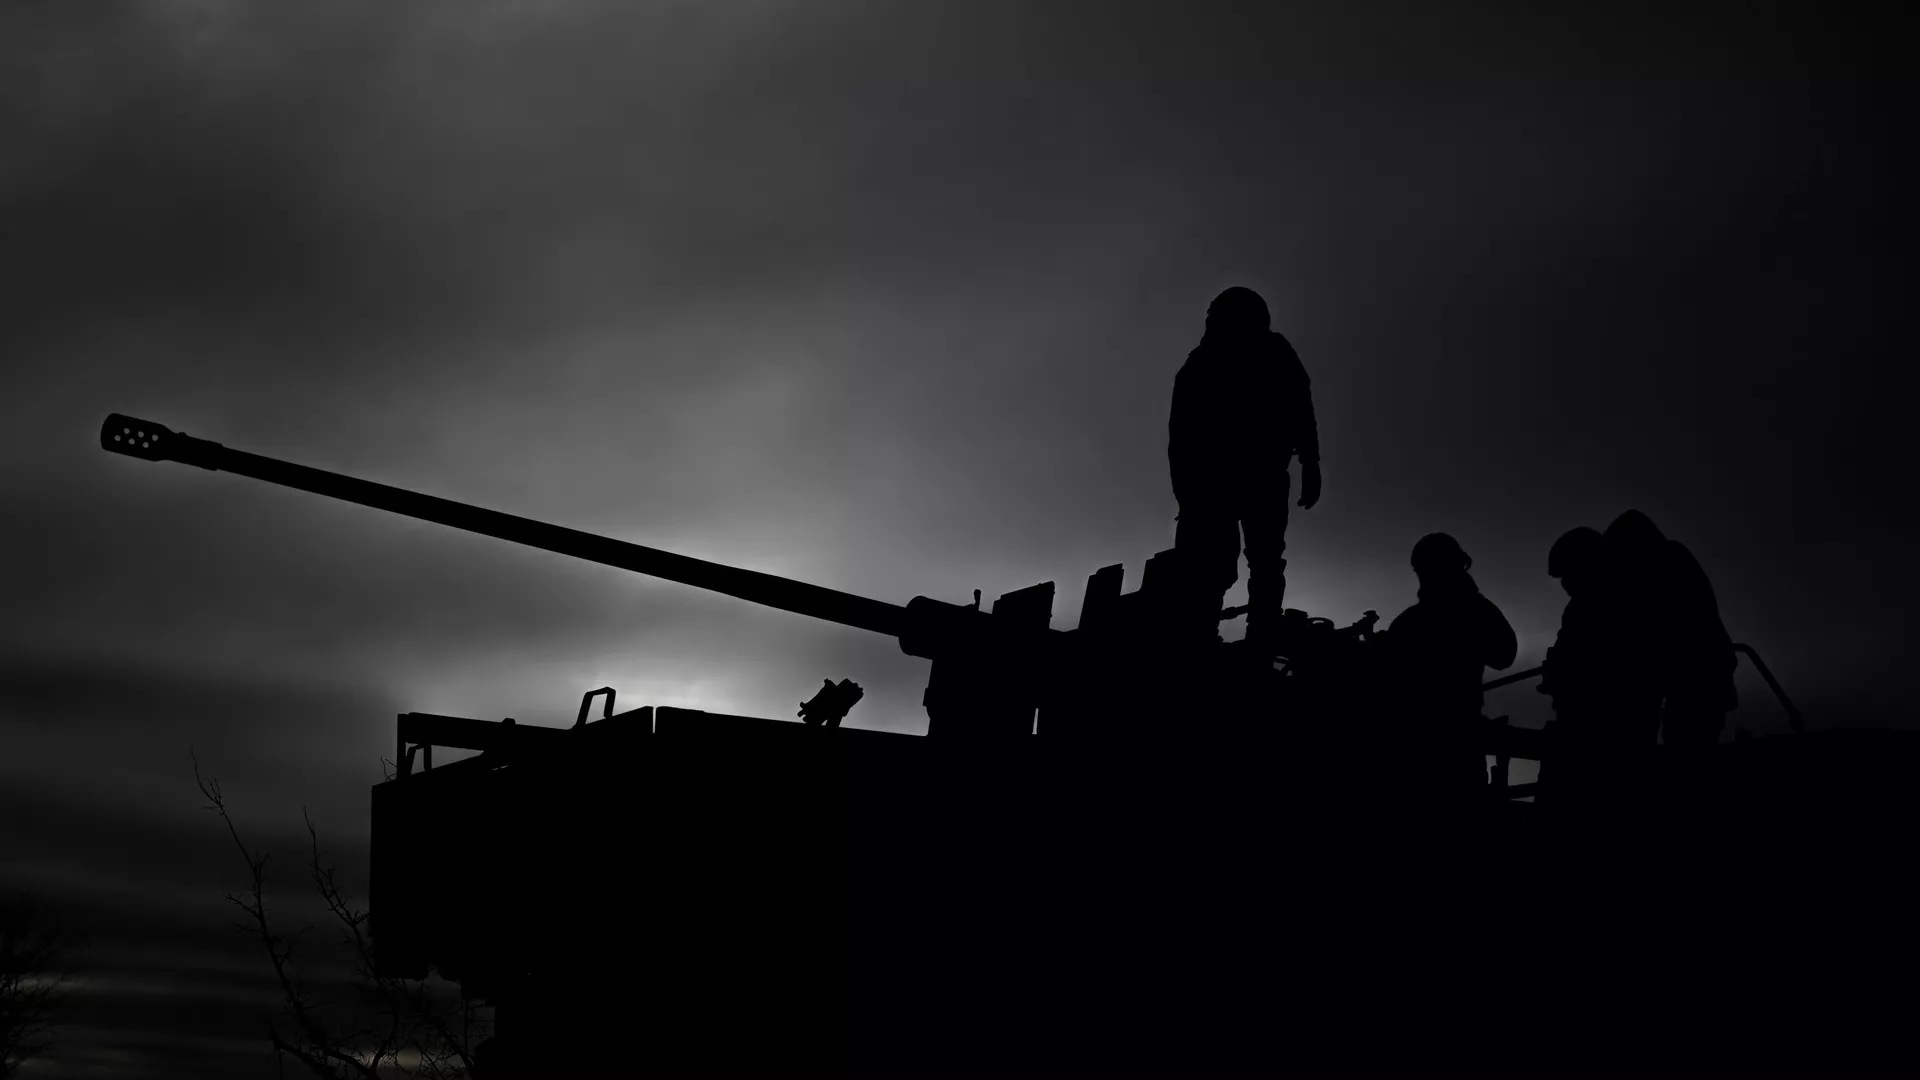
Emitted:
pixel 884 296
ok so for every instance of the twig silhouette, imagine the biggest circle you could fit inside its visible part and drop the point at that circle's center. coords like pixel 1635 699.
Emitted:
pixel 404 1026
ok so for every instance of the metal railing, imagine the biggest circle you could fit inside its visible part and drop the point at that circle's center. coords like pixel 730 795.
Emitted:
pixel 1504 747
pixel 1794 719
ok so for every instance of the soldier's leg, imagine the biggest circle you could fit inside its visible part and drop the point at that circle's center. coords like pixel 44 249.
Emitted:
pixel 1265 523
pixel 1691 724
pixel 1690 727
pixel 1632 779
pixel 1208 540
pixel 1576 757
pixel 1559 777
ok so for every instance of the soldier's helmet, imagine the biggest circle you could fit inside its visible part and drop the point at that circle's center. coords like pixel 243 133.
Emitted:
pixel 1439 553
pixel 1634 529
pixel 1238 310
pixel 1576 553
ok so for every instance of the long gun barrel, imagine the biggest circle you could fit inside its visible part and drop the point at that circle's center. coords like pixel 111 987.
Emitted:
pixel 155 442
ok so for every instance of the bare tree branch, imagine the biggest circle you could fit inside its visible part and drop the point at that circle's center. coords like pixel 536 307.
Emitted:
pixel 35 982
pixel 408 1018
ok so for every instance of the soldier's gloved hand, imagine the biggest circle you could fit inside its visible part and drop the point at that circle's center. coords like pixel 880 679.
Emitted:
pixel 1309 484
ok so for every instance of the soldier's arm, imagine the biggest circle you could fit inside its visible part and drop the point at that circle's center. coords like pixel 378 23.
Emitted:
pixel 1558 673
pixel 1179 438
pixel 1307 430
pixel 1502 644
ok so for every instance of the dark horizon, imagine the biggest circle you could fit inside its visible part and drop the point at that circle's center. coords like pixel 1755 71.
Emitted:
pixel 884 298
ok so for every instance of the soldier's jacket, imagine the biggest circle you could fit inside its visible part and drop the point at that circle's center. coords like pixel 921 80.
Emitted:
pixel 1441 646
pixel 1699 661
pixel 1657 619
pixel 1242 410
pixel 1606 653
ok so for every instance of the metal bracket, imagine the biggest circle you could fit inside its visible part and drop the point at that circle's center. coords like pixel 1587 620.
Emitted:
pixel 830 706
pixel 587 703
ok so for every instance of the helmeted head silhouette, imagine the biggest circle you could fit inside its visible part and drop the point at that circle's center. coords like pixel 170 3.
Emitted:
pixel 1634 529
pixel 1576 557
pixel 1238 312
pixel 1438 553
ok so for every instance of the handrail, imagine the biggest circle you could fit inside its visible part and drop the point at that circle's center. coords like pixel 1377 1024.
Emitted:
pixel 1794 719
pixel 1513 678
pixel 1793 715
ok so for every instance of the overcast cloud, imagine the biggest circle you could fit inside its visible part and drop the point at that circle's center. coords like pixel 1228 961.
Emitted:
pixel 887 297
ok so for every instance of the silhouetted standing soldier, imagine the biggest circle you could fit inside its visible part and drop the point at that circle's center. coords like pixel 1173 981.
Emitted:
pixel 1693 653
pixel 1440 649
pixel 1242 410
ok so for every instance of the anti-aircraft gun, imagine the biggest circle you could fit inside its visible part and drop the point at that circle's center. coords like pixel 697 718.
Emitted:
pixel 1128 844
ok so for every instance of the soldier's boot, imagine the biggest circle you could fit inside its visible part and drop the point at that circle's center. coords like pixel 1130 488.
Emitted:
pixel 1266 591
pixel 1208 602
pixel 1201 596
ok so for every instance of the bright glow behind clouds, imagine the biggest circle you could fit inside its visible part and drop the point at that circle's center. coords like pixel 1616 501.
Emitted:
pixel 887 297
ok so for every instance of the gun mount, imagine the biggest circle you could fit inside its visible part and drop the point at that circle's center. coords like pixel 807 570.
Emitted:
pixel 1189 866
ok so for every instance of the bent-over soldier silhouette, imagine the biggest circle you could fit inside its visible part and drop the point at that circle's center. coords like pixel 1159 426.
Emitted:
pixel 1603 681
pixel 1242 410
pixel 1694 658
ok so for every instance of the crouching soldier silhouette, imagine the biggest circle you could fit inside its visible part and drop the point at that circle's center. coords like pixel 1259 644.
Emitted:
pixel 1602 673
pixel 1438 651
pixel 1242 410
pixel 1694 652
